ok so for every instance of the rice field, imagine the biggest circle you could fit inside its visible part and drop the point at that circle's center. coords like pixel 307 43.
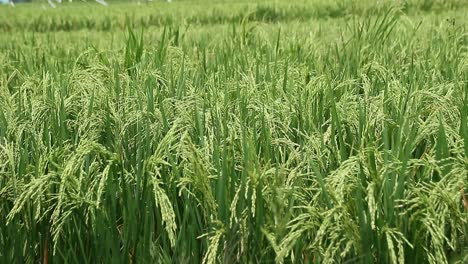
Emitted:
pixel 243 131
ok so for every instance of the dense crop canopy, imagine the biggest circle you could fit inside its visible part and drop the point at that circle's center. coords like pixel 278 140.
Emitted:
pixel 189 132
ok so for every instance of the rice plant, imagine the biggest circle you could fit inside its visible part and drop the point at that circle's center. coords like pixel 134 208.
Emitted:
pixel 269 132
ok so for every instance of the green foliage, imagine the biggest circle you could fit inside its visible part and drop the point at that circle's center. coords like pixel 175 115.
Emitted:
pixel 314 132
